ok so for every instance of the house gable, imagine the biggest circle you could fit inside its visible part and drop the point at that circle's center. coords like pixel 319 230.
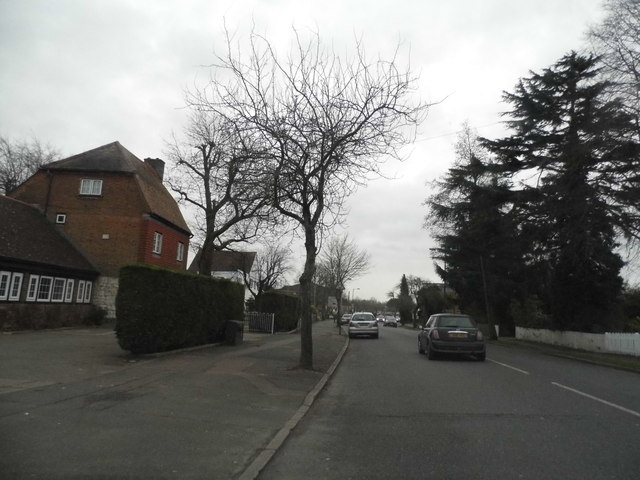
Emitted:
pixel 112 205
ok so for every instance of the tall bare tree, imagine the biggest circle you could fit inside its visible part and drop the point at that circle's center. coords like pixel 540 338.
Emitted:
pixel 19 159
pixel 326 124
pixel 271 265
pixel 219 172
pixel 341 262
pixel 617 43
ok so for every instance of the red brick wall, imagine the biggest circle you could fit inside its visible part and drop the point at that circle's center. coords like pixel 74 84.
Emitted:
pixel 170 239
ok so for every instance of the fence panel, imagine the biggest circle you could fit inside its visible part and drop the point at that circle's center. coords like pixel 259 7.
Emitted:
pixel 260 322
pixel 627 343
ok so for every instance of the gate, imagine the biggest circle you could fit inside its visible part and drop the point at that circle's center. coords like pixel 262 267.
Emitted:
pixel 260 322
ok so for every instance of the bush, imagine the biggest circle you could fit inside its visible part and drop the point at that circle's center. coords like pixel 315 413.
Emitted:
pixel 38 316
pixel 159 310
pixel 528 313
pixel 285 307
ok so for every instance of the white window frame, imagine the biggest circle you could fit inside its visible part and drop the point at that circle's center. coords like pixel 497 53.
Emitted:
pixel 61 218
pixel 44 295
pixel 91 187
pixel 68 293
pixel 5 285
pixel 15 289
pixel 87 291
pixel 180 255
pixel 80 294
pixel 32 290
pixel 58 289
pixel 157 243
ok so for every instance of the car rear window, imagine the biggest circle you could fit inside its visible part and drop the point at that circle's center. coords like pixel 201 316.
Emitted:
pixel 456 322
pixel 366 318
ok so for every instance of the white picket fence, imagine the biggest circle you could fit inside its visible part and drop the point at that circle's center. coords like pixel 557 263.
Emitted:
pixel 627 343
pixel 623 343
pixel 260 322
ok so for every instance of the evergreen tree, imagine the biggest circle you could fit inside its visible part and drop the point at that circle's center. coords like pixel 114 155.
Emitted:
pixel 405 303
pixel 471 217
pixel 572 153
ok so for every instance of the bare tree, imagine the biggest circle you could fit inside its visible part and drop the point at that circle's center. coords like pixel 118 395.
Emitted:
pixel 341 262
pixel 270 267
pixel 219 173
pixel 617 43
pixel 326 124
pixel 21 159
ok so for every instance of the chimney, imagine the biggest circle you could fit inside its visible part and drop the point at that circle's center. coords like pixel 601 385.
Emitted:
pixel 157 165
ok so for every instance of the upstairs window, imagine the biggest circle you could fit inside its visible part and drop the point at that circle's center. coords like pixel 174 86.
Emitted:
pixel 157 243
pixel 180 256
pixel 90 186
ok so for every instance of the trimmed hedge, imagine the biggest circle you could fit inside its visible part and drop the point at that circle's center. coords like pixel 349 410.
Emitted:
pixel 159 310
pixel 285 306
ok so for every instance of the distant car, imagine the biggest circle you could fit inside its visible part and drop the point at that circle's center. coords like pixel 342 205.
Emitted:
pixel 380 319
pixel 451 333
pixel 363 323
pixel 390 321
pixel 345 319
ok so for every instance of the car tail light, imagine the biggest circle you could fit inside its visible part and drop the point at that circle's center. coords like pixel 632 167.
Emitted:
pixel 435 335
pixel 480 335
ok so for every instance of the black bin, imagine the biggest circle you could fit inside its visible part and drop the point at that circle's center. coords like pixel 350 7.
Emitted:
pixel 233 332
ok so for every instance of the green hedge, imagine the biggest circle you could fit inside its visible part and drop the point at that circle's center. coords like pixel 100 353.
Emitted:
pixel 285 306
pixel 159 310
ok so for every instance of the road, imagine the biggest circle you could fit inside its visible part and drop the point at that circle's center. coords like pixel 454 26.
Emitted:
pixel 389 413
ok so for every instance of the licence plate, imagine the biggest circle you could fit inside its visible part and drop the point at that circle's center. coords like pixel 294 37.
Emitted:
pixel 458 335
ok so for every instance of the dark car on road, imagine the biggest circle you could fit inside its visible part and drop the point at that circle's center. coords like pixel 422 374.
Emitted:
pixel 390 321
pixel 453 334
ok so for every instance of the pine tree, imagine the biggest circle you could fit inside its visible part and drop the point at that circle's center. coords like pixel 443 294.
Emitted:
pixel 572 151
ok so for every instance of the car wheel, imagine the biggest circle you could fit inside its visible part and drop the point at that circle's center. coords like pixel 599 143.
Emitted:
pixel 431 355
pixel 481 356
pixel 420 349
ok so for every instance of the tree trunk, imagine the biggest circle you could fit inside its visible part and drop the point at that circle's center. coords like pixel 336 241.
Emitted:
pixel 306 324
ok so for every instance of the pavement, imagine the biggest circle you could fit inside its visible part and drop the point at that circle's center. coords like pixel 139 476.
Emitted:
pixel 73 405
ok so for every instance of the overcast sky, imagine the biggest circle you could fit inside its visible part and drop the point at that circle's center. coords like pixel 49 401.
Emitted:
pixel 79 74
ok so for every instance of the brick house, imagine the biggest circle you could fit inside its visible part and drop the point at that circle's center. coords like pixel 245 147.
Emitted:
pixel 115 210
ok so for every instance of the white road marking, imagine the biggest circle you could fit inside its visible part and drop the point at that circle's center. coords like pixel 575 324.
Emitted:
pixel 626 410
pixel 509 366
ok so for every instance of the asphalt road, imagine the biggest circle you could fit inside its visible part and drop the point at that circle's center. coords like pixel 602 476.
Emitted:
pixel 389 413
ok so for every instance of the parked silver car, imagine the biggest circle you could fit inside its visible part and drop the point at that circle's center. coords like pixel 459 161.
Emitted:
pixel 363 323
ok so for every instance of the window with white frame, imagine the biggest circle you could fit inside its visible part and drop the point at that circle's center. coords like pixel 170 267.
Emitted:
pixel 5 280
pixel 32 291
pixel 87 291
pixel 68 294
pixel 61 218
pixel 157 243
pixel 80 295
pixel 16 287
pixel 90 186
pixel 180 256
pixel 57 292
pixel 44 289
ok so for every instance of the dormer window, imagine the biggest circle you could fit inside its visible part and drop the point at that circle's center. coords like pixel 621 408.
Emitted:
pixel 89 186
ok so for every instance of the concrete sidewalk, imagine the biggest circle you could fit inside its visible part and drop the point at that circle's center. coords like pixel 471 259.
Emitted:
pixel 73 405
